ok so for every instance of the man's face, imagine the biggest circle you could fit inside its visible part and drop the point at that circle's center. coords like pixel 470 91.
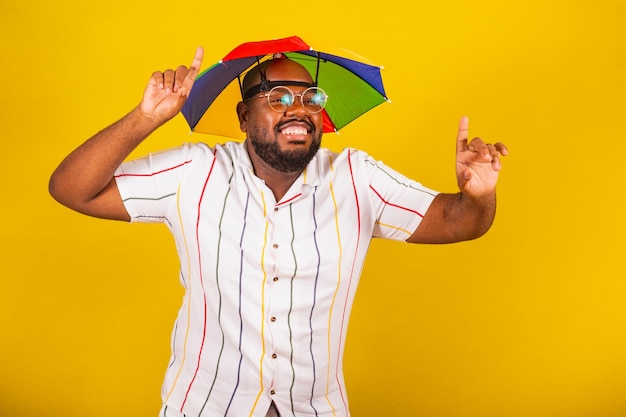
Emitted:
pixel 286 141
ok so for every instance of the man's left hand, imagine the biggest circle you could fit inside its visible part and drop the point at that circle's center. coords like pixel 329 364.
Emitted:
pixel 477 163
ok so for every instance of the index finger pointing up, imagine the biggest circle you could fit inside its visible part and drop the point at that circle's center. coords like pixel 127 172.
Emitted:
pixel 197 60
pixel 195 67
pixel 461 136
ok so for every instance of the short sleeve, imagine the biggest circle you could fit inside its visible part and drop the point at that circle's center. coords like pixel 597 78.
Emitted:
pixel 149 185
pixel 400 202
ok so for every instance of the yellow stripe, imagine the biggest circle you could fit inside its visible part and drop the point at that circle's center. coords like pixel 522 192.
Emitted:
pixel 332 193
pixel 395 227
pixel 256 401
pixel 182 228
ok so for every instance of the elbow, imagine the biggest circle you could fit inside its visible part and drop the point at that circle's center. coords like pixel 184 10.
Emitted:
pixel 54 189
pixel 61 191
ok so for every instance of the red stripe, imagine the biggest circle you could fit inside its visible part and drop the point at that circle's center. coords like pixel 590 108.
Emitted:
pixel 291 199
pixel 356 251
pixel 395 205
pixel 154 173
pixel 201 281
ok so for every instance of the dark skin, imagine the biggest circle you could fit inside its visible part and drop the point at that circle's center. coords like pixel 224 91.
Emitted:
pixel 84 180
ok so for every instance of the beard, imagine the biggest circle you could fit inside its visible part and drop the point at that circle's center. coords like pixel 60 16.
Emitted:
pixel 288 161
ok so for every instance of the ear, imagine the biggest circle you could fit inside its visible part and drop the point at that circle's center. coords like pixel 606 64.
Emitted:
pixel 242 114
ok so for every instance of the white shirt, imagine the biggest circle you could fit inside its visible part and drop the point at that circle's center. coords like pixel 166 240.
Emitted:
pixel 269 285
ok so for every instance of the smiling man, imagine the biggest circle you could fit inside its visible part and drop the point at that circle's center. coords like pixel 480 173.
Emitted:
pixel 271 234
pixel 282 142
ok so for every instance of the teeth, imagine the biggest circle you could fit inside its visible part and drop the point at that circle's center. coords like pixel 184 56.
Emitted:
pixel 294 131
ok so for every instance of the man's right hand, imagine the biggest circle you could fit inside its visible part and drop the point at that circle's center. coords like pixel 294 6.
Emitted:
pixel 168 90
pixel 84 180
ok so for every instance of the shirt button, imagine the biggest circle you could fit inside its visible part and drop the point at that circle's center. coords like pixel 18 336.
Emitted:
pixel 273 319
pixel 275 208
pixel 272 392
pixel 274 356
pixel 275 245
pixel 275 279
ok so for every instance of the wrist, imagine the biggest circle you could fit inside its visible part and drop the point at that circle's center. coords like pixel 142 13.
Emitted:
pixel 142 120
pixel 478 199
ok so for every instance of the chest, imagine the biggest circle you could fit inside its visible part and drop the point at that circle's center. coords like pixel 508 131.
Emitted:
pixel 232 217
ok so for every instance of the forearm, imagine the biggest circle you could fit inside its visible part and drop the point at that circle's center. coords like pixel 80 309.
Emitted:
pixel 455 218
pixel 89 169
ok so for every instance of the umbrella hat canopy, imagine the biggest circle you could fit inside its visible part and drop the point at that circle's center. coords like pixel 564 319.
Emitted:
pixel 353 87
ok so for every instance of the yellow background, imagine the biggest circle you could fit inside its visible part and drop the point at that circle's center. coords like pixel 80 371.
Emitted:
pixel 527 321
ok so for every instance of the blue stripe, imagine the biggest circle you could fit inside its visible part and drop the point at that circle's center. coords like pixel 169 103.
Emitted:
pixel 241 257
pixel 219 293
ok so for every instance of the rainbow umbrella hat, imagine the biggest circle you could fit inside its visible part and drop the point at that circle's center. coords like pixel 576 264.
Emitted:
pixel 353 87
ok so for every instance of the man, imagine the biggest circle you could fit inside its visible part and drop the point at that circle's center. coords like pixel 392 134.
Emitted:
pixel 271 234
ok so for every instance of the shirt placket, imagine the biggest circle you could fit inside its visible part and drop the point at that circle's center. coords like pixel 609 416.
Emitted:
pixel 281 272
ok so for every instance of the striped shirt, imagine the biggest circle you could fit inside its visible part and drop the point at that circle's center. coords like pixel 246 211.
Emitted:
pixel 269 285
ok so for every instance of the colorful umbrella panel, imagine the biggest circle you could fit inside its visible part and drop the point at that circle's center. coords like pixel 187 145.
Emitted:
pixel 353 87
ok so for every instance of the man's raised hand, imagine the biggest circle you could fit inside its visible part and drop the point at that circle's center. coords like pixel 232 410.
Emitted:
pixel 168 90
pixel 477 163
